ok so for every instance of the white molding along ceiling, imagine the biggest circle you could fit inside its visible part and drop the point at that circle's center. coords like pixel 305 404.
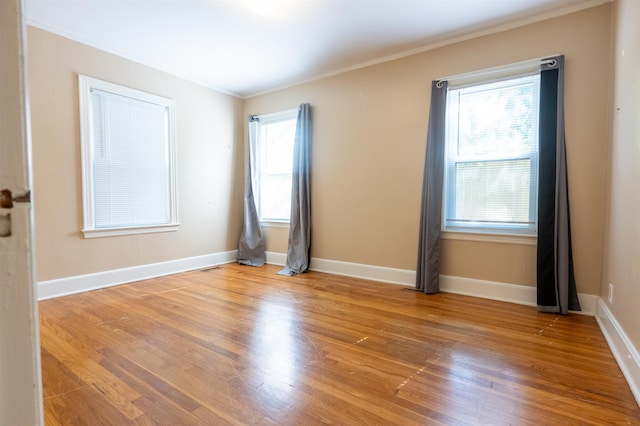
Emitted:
pixel 247 47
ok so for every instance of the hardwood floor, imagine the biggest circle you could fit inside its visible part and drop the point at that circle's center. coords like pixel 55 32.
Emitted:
pixel 241 345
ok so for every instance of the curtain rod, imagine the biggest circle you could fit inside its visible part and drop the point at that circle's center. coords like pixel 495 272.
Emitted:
pixel 501 69
pixel 274 115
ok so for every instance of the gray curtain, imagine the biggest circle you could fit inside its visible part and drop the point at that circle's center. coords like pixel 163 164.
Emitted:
pixel 298 250
pixel 556 285
pixel 251 249
pixel 428 269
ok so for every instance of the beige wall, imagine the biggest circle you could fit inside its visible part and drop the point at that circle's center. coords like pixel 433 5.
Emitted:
pixel 622 267
pixel 209 141
pixel 369 142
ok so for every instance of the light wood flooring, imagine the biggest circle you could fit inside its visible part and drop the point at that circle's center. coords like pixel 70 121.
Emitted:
pixel 241 345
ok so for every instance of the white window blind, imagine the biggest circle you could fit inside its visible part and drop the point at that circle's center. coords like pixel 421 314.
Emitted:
pixel 491 157
pixel 129 162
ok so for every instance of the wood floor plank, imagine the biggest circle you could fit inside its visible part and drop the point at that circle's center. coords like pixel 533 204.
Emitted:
pixel 84 363
pixel 242 345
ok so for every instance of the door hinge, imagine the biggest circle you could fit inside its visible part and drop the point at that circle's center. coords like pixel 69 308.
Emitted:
pixel 7 199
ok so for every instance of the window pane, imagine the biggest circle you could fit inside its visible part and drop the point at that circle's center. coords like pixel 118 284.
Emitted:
pixel 276 197
pixel 498 120
pixel 276 164
pixel 494 191
pixel 279 146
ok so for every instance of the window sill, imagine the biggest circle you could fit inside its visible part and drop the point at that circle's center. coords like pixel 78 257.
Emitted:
pixel 113 232
pixel 523 240
pixel 274 224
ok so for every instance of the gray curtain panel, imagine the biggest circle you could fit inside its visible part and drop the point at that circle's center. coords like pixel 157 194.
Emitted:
pixel 428 269
pixel 251 249
pixel 299 246
pixel 556 285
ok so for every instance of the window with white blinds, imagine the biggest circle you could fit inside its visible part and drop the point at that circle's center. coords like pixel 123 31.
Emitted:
pixel 492 157
pixel 128 160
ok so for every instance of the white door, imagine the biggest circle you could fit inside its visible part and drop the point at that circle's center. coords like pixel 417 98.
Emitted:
pixel 20 378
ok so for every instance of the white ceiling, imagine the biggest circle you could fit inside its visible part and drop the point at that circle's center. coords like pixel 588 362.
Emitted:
pixel 245 47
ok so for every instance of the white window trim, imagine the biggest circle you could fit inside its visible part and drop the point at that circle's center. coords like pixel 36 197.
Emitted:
pixel 269 119
pixel 275 223
pixel 501 233
pixel 85 84
pixel 274 117
pixel 516 239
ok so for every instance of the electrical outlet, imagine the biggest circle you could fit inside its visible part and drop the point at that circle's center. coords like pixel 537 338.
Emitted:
pixel 610 293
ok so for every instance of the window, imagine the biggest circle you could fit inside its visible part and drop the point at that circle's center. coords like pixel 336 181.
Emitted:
pixel 276 135
pixel 492 157
pixel 128 160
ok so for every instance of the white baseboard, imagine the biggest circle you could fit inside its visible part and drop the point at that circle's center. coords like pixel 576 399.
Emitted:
pixel 369 272
pixel 355 270
pixel 623 350
pixel 274 258
pixel 523 295
pixel 80 283
pixel 519 294
pixel 513 293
